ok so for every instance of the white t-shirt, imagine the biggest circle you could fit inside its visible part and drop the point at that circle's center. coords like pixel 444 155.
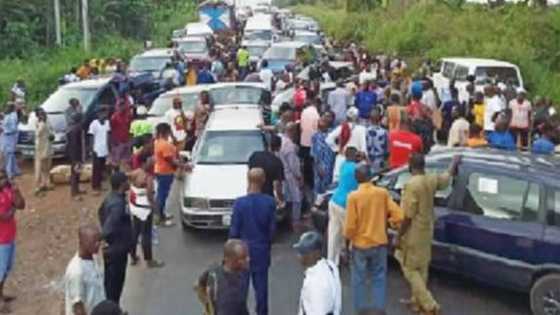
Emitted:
pixel 100 134
pixel 175 120
pixel 83 282
pixel 266 77
pixel 429 99
pixel 321 292
pixel 493 105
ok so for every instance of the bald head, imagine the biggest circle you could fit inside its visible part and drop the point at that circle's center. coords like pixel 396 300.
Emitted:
pixel 256 178
pixel 236 255
pixel 89 238
pixel 362 173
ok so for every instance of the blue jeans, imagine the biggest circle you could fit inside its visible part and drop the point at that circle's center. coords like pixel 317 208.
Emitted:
pixel 260 285
pixel 164 183
pixel 369 278
pixel 7 255
pixel 12 168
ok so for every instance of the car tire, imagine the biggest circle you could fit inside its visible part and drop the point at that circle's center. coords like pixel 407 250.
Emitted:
pixel 545 294
pixel 184 226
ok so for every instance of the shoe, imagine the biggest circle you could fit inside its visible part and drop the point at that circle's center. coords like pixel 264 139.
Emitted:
pixel 167 223
pixel 155 263
pixel 169 216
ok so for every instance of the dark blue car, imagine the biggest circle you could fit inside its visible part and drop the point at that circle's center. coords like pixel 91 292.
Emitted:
pixel 499 222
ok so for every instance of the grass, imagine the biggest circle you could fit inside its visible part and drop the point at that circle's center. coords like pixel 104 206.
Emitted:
pixel 525 36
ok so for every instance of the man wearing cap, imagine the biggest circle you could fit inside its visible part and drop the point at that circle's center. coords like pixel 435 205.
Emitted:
pixel 321 292
pixel 178 120
pixel 520 117
pixel 254 221
pixel 367 212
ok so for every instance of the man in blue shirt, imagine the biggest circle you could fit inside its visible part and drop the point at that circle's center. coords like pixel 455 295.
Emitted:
pixel 544 144
pixel 501 138
pixel 337 205
pixel 365 100
pixel 205 76
pixel 254 221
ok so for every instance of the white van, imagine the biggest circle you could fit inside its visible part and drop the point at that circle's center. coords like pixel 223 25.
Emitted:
pixel 199 30
pixel 259 27
pixel 484 71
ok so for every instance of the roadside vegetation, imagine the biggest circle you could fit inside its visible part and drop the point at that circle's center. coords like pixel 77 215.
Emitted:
pixel 118 29
pixel 528 37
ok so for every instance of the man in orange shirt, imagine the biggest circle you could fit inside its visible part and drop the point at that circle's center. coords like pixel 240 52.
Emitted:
pixel 367 212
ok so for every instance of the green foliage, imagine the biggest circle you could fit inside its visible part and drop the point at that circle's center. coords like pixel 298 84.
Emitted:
pixel 528 37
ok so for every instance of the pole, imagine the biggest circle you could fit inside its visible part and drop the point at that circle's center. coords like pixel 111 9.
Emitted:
pixel 57 22
pixel 85 24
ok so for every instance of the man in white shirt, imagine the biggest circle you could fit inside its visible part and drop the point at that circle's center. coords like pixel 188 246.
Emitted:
pixel 83 281
pixel 338 101
pixel 100 130
pixel 493 106
pixel 429 96
pixel 321 293
pixel 178 121
pixel 459 131
pixel 266 75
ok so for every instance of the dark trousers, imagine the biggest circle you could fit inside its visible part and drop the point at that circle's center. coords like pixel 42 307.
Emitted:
pixel 305 155
pixel 260 284
pixel 115 272
pixel 98 171
pixel 144 229
pixel 74 178
pixel 520 132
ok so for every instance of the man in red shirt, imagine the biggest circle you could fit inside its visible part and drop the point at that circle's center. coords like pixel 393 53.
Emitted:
pixel 120 134
pixel 10 200
pixel 402 143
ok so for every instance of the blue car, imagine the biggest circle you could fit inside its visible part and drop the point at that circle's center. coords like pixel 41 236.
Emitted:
pixel 499 222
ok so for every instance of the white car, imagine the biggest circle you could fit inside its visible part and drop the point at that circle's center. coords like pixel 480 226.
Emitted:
pixel 198 29
pixel 219 174
pixel 484 71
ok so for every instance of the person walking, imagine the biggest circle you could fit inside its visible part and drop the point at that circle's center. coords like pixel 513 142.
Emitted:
pixel 293 183
pixel 83 280
pixel 323 157
pixel 8 140
pixel 43 152
pixel 414 241
pixel 116 230
pixel 273 169
pixel 120 141
pixel 11 200
pixel 254 221
pixel 74 148
pixel 321 292
pixel 367 212
pixel 99 130
pixel 223 289
pixel 337 205
pixel 377 141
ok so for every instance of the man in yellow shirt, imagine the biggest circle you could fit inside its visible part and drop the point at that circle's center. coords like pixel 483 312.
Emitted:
pixel 478 109
pixel 367 212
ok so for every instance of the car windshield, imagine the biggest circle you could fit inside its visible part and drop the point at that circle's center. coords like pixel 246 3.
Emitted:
pixel 192 47
pixel 308 39
pixel 280 53
pixel 229 147
pixel 236 95
pixel 59 100
pixel 256 51
pixel 144 64
pixel 259 35
pixel 497 74
pixel 164 103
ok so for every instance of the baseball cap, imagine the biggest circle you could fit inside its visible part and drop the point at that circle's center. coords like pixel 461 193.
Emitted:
pixel 309 242
pixel 352 113
pixel 141 110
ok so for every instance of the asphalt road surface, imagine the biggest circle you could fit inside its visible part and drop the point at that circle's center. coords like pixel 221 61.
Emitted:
pixel 168 291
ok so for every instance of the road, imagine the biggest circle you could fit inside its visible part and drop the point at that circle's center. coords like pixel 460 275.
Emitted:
pixel 168 291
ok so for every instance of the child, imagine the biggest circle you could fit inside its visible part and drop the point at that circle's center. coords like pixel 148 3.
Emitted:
pixel 476 138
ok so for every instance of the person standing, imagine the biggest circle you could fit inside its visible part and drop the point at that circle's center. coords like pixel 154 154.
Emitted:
pixel 520 118
pixel 377 139
pixel 43 152
pixel 223 289
pixel 273 169
pixel 493 105
pixel 178 121
pixel 116 231
pixel 204 75
pixel 308 126
pixel 266 75
pixel 365 100
pixel 99 130
pixel 74 148
pixel 243 62
pixel 11 200
pixel 544 144
pixel 337 205
pixel 321 292
pixel 403 143
pixel 9 138
pixel 254 222
pixel 501 138
pixel 293 183
pixel 459 131
pixel 368 210
pixel 414 241
pixel 83 280
pixel 338 101
pixel 323 157
pixel 121 146
pixel 73 108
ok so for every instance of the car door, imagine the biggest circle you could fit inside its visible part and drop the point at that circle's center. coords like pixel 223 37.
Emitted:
pixel 547 253
pixel 496 226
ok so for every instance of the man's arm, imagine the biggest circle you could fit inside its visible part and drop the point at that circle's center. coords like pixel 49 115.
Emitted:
pixel 331 139
pixel 410 204
pixel 110 226
pixel 272 227
pixel 444 179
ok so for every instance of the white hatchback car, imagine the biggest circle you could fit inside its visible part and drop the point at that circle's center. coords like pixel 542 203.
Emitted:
pixel 219 174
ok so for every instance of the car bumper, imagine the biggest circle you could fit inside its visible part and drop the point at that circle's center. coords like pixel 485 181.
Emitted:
pixel 214 219
pixel 27 151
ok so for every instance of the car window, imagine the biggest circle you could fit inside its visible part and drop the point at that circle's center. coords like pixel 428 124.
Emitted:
pixel 403 178
pixel 144 64
pixel 447 70
pixel 59 100
pixel 554 207
pixel 163 103
pixel 280 53
pixel 237 95
pixel 461 73
pixel 499 74
pixel 229 147
pixel 502 197
pixel 192 47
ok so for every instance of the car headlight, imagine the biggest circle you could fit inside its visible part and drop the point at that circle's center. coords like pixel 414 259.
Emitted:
pixel 199 203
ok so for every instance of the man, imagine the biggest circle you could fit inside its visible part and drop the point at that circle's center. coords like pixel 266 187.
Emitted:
pixel 177 119
pixel 205 76
pixel 402 143
pixel 11 200
pixel 417 229
pixel 107 308
pixel 223 289
pixel 338 101
pixel 74 148
pixel 459 131
pixel 273 168
pixel 9 139
pixel 99 130
pixel 141 126
pixel 365 100
pixel 266 75
pixel 83 280
pixel 254 221
pixel 321 292
pixel 520 118
pixel 19 91
pixel 337 205
pixel 501 138
pixel 377 139
pixel 117 232
pixel 293 183
pixel 70 112
pixel 428 95
pixel 492 107
pixel 545 145
pixel 84 71
pixel 120 137
pixel 243 62
pixel 323 157
pixel 43 152
pixel 367 213
pixel 308 127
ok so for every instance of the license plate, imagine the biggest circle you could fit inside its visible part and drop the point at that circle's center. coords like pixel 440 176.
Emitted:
pixel 27 152
pixel 226 220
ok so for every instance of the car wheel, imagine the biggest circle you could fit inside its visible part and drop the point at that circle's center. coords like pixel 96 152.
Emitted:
pixel 184 225
pixel 545 295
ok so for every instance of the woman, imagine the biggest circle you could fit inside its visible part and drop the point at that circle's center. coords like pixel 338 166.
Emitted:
pixel 43 152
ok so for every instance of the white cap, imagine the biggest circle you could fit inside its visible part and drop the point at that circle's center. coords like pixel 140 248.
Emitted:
pixel 352 113
pixel 502 86
pixel 141 110
pixel 521 90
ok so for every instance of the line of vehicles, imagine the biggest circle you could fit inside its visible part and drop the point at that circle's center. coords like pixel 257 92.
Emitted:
pixel 499 223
